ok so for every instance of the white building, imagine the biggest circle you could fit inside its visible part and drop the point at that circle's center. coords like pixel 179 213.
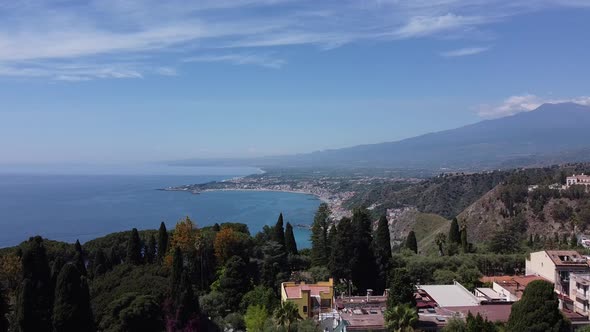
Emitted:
pixel 556 266
pixel 580 179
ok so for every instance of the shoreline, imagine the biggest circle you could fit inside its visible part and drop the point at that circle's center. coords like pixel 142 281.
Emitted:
pixel 321 198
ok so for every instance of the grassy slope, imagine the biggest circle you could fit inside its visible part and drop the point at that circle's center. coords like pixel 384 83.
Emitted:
pixel 426 227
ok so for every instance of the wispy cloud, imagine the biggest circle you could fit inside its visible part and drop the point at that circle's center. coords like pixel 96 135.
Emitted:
pixel 99 32
pixel 524 103
pixel 465 51
pixel 422 26
pixel 240 59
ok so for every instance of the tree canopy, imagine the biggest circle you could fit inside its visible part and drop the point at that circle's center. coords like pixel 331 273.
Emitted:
pixel 538 309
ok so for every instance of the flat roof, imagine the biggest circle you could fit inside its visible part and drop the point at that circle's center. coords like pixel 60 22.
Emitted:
pixel 566 258
pixel 294 291
pixel 363 319
pixel 493 312
pixel 450 295
pixel 490 293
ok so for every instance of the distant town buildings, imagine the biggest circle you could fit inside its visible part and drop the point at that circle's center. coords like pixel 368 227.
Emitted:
pixel 580 179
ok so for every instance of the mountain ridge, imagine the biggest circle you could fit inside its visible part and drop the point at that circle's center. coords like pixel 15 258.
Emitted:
pixel 556 132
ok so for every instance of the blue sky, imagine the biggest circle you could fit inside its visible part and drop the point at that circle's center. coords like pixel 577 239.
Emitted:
pixel 125 81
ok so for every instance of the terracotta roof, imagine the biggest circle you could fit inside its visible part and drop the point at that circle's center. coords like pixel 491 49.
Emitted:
pixel 526 280
pixel 294 291
pixel 497 279
pixel 493 312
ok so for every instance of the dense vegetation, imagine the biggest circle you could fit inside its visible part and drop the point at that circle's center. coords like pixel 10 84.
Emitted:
pixel 222 277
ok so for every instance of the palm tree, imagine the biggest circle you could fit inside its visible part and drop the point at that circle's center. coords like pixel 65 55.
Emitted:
pixel 440 240
pixel 401 318
pixel 286 314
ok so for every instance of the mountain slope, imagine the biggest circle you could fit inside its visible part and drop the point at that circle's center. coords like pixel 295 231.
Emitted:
pixel 552 132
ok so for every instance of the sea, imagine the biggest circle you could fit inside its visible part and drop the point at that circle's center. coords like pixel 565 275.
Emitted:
pixel 85 202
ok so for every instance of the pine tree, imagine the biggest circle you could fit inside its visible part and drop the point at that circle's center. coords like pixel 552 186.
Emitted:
pixel 290 243
pixel 382 245
pixel 279 231
pixel 150 253
pixel 78 246
pixel 320 247
pixel 3 310
pixel 363 259
pixel 411 242
pixel 162 241
pixel 134 248
pixel 36 294
pixel 454 232
pixel 71 310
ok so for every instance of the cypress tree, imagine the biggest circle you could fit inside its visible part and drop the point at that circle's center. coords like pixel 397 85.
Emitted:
pixel 538 310
pixel 573 241
pixel 342 250
pixel 100 262
pixel 3 310
pixel 150 253
pixel 56 266
pixel 382 245
pixel 363 259
pixel 464 243
pixel 71 310
pixel 454 232
pixel 290 243
pixel 279 231
pixel 320 247
pixel 176 275
pixel 134 248
pixel 188 304
pixel 162 241
pixel 36 294
pixel 80 263
pixel 78 246
pixel 411 242
pixel 113 258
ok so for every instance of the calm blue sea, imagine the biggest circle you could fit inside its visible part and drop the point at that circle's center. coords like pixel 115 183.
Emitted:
pixel 70 207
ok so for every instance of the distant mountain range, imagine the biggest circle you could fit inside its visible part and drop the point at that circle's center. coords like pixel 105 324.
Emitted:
pixel 552 133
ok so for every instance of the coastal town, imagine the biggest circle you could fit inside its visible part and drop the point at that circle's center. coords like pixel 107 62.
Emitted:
pixel 335 190
pixel 439 304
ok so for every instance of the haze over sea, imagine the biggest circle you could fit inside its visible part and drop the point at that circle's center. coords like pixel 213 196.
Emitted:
pixel 85 202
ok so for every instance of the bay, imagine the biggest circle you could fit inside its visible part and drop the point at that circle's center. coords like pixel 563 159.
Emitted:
pixel 76 206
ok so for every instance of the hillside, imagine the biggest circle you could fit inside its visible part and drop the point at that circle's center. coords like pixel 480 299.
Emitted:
pixel 445 195
pixel 425 225
pixel 553 133
pixel 542 212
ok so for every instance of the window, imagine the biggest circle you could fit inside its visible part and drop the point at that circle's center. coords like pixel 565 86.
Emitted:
pixel 305 308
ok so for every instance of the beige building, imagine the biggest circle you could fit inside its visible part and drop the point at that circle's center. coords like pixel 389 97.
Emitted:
pixel 581 179
pixel 311 299
pixel 556 266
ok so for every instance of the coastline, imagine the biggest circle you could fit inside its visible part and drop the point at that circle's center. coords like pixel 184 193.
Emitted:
pixel 319 197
